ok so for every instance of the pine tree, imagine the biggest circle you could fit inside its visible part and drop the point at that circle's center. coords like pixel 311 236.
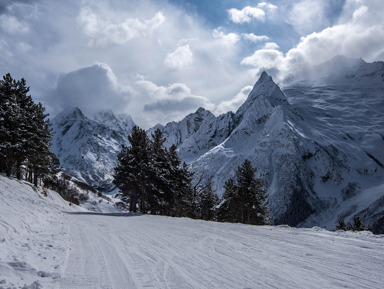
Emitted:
pixel 208 201
pixel 181 185
pixel 245 200
pixel 25 134
pixel 39 143
pixel 358 225
pixel 229 208
pixel 131 175
pixel 9 112
pixel 341 225
pixel 161 198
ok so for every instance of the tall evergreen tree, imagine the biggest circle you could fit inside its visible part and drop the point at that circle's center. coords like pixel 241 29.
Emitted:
pixel 181 186
pixel 161 198
pixel 245 200
pixel 208 201
pixel 9 112
pixel 131 175
pixel 25 134
pixel 228 208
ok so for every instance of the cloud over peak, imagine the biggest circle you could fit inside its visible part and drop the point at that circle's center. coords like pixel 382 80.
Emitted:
pixel 91 88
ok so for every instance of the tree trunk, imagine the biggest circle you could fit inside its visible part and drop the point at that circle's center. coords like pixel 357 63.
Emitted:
pixel 35 179
pixel 18 170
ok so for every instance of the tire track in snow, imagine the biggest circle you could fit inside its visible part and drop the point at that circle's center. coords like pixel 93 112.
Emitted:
pixel 160 252
pixel 92 261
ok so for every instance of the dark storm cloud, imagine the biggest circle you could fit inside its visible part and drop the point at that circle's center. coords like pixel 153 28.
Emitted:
pixel 4 4
pixel 171 105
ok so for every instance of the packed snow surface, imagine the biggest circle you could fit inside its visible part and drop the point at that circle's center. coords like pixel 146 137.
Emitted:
pixel 45 243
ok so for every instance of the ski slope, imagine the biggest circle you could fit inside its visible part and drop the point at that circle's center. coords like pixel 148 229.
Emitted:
pixel 44 243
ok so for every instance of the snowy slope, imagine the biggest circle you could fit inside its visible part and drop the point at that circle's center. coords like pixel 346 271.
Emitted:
pixel 34 235
pixel 42 246
pixel 88 148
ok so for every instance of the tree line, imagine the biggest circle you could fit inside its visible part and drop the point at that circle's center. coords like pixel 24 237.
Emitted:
pixel 152 179
pixel 25 133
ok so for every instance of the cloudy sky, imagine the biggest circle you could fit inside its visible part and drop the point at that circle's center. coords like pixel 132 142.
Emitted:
pixel 159 60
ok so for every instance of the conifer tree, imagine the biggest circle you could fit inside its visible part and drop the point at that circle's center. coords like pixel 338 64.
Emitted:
pixel 131 175
pixel 161 198
pixel 229 208
pixel 25 134
pixel 245 200
pixel 208 201
pixel 9 111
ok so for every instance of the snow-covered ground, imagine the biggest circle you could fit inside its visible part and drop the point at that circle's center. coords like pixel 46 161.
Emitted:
pixel 45 243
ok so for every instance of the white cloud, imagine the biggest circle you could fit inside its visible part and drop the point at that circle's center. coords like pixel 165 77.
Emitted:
pixel 255 38
pixel 360 35
pixel 102 30
pixel 271 45
pixel 308 16
pixel 246 15
pixel 270 60
pixel 230 38
pixel 235 103
pixel 267 5
pixel 181 57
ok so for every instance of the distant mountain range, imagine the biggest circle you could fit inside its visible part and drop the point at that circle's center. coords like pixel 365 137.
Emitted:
pixel 317 143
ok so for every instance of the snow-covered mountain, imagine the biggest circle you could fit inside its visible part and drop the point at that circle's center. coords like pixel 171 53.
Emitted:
pixel 318 145
pixel 88 148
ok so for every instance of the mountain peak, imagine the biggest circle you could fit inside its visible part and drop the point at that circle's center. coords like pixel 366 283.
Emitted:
pixel 70 112
pixel 264 77
pixel 200 110
pixel 265 93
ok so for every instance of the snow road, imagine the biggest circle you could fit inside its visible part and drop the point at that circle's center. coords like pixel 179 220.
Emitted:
pixel 133 251
pixel 45 243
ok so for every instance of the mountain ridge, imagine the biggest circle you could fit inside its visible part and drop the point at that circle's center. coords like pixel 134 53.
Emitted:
pixel 315 146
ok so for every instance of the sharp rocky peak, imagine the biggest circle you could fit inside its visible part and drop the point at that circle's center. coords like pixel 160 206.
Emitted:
pixel 70 113
pixel 266 89
pixel 265 95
